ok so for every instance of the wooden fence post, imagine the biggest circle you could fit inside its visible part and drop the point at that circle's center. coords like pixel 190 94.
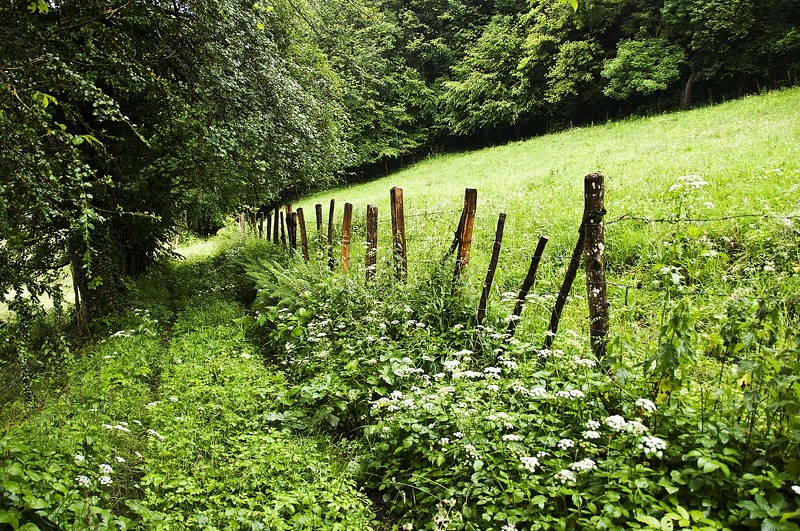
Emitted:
pixel 320 236
pixel 283 231
pixel 346 226
pixel 301 222
pixel 398 234
pixel 465 240
pixel 595 261
pixel 292 226
pixel 371 258
pixel 330 236
pixel 526 287
pixel 275 239
pixel 487 284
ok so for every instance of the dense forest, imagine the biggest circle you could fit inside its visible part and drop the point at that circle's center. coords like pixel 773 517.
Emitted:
pixel 124 122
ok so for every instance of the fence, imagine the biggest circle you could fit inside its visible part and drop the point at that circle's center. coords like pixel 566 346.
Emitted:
pixel 590 246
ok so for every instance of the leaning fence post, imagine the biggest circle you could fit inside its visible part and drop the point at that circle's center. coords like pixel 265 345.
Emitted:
pixel 595 260
pixel 398 234
pixel 526 287
pixel 487 284
pixel 371 257
pixel 465 240
pixel 301 222
pixel 346 225
pixel 330 236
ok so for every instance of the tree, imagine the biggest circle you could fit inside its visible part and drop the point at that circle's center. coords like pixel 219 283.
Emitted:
pixel 116 119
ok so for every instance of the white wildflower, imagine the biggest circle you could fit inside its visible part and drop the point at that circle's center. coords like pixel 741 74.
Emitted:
pixel 646 405
pixel 584 465
pixel 615 422
pixel 566 476
pixel 529 463
pixel 566 443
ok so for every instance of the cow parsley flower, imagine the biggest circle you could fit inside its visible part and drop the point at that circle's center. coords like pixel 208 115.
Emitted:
pixel 529 463
pixel 646 405
pixel 615 422
pixel 636 427
pixel 564 444
pixel 566 476
pixel 584 465
pixel 652 446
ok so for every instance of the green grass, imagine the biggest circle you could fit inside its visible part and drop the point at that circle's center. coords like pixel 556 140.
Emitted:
pixel 748 150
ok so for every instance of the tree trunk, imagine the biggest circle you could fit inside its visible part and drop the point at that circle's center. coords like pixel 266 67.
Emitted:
pixel 686 97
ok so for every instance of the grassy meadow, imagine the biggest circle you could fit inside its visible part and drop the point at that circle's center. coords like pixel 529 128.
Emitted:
pixel 240 388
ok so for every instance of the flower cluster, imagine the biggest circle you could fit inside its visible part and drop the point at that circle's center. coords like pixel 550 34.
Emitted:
pixel 584 465
pixel 652 446
pixel 529 463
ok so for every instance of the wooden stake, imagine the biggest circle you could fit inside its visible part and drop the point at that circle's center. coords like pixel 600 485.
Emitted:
pixel 595 261
pixel 330 236
pixel 465 241
pixel 292 226
pixel 283 232
pixel 320 235
pixel 301 222
pixel 399 234
pixel 346 225
pixel 371 258
pixel 487 284
pixel 275 239
pixel 526 287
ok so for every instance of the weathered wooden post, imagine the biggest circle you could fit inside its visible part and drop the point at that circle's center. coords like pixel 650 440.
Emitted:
pixel 487 284
pixel 320 236
pixel 371 257
pixel 292 225
pixel 595 262
pixel 330 236
pixel 346 226
pixel 465 239
pixel 275 238
pixel 398 234
pixel 301 223
pixel 283 231
pixel 530 278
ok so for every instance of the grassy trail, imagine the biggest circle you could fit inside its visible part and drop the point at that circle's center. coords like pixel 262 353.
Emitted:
pixel 188 419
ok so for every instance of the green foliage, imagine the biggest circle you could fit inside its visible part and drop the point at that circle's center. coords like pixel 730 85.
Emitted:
pixel 642 67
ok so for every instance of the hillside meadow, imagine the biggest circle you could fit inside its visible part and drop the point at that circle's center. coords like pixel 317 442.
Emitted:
pixel 240 388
